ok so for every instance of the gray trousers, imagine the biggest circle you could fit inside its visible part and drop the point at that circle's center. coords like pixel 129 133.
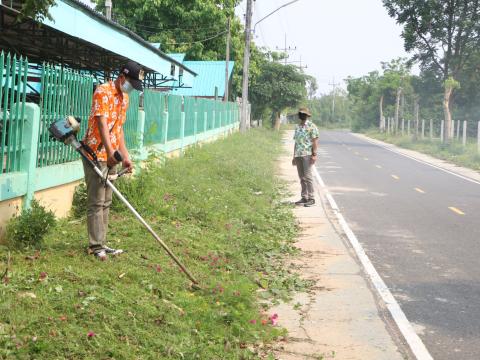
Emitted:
pixel 99 199
pixel 304 168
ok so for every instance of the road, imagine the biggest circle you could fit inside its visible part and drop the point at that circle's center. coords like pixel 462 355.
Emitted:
pixel 419 226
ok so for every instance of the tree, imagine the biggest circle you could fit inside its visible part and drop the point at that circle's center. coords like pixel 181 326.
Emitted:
pixel 37 9
pixel 443 33
pixel 312 86
pixel 363 94
pixel 195 27
pixel 321 108
pixel 276 88
pixel 396 78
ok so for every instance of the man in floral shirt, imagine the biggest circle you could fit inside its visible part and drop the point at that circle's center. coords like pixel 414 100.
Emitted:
pixel 105 136
pixel 305 155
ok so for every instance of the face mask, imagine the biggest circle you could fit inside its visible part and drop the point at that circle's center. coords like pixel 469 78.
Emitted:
pixel 126 87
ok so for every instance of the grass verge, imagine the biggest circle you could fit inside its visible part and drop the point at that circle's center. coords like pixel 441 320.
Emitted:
pixel 453 152
pixel 219 208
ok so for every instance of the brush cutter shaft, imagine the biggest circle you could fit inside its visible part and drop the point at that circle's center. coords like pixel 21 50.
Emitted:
pixel 137 215
pixel 144 223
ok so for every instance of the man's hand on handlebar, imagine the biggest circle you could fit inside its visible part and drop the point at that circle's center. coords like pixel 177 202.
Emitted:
pixel 127 164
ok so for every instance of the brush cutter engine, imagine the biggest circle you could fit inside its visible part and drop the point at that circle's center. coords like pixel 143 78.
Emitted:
pixel 65 130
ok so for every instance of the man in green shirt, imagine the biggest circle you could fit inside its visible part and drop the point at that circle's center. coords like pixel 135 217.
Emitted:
pixel 305 155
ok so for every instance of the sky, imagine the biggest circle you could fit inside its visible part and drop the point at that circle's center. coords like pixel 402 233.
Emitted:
pixel 333 38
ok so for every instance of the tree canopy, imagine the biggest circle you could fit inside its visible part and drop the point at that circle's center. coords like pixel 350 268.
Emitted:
pixel 37 9
pixel 443 35
pixel 277 87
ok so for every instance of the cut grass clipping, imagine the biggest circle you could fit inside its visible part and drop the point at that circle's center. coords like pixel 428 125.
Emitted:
pixel 219 208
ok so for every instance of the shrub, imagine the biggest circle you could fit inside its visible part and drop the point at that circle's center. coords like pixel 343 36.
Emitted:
pixel 79 201
pixel 30 227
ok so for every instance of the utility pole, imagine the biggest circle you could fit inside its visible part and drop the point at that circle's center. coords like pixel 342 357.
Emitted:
pixel 285 50
pixel 246 64
pixel 227 60
pixel 334 85
pixel 302 67
pixel 108 9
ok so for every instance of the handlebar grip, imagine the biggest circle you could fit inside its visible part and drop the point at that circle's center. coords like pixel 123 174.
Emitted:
pixel 117 156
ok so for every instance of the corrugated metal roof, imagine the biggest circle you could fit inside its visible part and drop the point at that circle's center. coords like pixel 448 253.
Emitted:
pixel 211 74
pixel 78 20
pixel 177 56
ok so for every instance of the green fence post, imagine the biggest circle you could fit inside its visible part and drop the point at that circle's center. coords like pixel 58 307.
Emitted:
pixel 141 134
pixel 140 128
pixel 205 118
pixel 28 162
pixel 214 119
pixel 195 125
pixel 182 131
pixel 165 129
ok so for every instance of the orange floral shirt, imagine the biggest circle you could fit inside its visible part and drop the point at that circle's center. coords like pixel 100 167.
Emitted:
pixel 112 105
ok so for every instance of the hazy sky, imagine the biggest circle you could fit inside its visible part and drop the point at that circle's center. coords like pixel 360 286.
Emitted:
pixel 334 38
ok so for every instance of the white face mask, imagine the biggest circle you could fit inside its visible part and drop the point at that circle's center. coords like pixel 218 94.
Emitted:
pixel 126 87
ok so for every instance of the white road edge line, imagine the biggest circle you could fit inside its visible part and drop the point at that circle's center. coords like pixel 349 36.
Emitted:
pixel 417 160
pixel 415 343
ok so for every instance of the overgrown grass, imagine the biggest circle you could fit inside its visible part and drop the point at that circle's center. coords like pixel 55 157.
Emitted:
pixel 219 209
pixel 453 152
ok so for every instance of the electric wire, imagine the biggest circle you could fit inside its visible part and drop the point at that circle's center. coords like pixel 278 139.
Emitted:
pixel 161 28
pixel 198 41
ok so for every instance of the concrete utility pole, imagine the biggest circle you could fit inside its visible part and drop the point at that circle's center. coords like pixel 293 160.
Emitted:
pixel 300 67
pixel 108 9
pixel 246 64
pixel 334 85
pixel 227 60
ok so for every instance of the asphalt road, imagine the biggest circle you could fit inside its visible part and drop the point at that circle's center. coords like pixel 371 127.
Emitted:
pixel 420 228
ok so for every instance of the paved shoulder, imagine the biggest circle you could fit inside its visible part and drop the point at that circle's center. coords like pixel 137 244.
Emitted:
pixel 339 318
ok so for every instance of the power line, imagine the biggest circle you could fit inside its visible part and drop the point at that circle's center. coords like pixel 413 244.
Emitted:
pixel 199 41
pixel 286 50
pixel 161 28
pixel 184 35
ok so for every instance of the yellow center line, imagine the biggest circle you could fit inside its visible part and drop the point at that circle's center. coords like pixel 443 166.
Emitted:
pixel 457 211
pixel 419 190
pixel 378 166
pixel 395 177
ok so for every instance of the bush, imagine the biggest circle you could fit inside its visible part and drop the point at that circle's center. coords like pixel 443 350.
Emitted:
pixel 79 201
pixel 30 227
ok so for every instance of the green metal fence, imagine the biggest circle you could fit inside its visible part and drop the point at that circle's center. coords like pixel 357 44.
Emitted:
pixel 201 111
pixel 210 114
pixel 130 127
pixel 175 104
pixel 12 110
pixel 155 117
pixel 190 108
pixel 63 92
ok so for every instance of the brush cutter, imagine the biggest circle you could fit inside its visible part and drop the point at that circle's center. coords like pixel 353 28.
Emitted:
pixel 65 130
